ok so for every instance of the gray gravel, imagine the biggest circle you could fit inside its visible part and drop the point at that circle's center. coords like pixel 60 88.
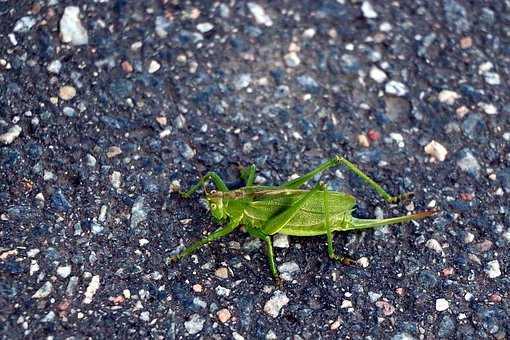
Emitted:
pixel 108 107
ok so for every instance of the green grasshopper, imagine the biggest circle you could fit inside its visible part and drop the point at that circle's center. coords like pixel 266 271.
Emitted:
pixel 289 210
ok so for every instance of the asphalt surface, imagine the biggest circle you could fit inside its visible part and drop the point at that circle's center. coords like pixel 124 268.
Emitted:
pixel 108 108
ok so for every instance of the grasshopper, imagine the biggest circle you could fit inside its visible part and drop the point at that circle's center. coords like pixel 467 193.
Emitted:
pixel 288 209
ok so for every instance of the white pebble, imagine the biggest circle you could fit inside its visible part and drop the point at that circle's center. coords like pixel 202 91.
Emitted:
pixel 436 150
pixel 24 24
pixel 346 304
pixel 276 303
pixel 91 289
pixel 154 66
pixel 493 269
pixel 434 245
pixel 442 305
pixel 259 14
pixel 378 75
pixel 492 78
pixel 195 324
pixel 71 28
pixel 292 59
pixel 368 10
pixel 205 27
pixel 489 109
pixel 10 135
pixel 54 66
pixel 64 271
pixel 448 97
pixel 396 88
pixel 280 241
pixel 288 269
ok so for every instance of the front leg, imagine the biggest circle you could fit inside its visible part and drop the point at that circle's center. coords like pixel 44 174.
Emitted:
pixel 214 177
pixel 248 175
pixel 218 233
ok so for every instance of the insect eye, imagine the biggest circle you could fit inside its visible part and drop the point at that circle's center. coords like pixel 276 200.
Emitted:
pixel 213 206
pixel 213 192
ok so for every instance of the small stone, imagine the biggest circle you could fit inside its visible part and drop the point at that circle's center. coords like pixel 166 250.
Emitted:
pixel 64 271
pixel 468 163
pixel 287 270
pixel 363 140
pixel 495 298
pixel 221 272
pixel 435 245
pixel 163 25
pixel 67 92
pixel 71 28
pixel 91 289
pixel 195 324
pixel 335 325
pixel 346 304
pixel 374 296
pixel 143 242
pixel 54 66
pixel 436 150
pixel 493 269
pixel 44 291
pixel 126 66
pixel 24 24
pixel 466 42
pixel 489 109
pixel 271 335
pixel 363 262
pixel 186 151
pixel 197 288
pixel 205 27
pixel 242 81
pixel 308 83
pixel 309 33
pixel 11 134
pixel 154 66
pixel 280 241
pixel 113 151
pixel 448 97
pixel 368 11
pixel 468 237
pixel 273 306
pixel 292 59
pixel 386 307
pixel 259 14
pixel 224 315
pixel 378 75
pixel 492 78
pixel 115 179
pixel 396 88
pixel 442 305
pixel 222 291
pixel 138 212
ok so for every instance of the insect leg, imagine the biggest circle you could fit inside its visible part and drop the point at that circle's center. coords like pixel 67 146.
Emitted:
pixel 218 233
pixel 329 235
pixel 276 223
pixel 296 183
pixel 353 168
pixel 256 232
pixel 248 175
pixel 214 177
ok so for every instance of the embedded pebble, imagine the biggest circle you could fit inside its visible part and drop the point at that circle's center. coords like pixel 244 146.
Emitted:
pixel 24 24
pixel 436 150
pixel 493 269
pixel 288 269
pixel 71 29
pixel 154 66
pixel 67 92
pixel 442 305
pixel 448 97
pixel 280 241
pixel 273 306
pixel 64 271
pixel 194 324
pixel 91 289
pixel 242 81
pixel 368 11
pixel 54 66
pixel 11 134
pixel 292 59
pixel 386 307
pixel 492 78
pixel 396 88
pixel 224 315
pixel 435 245
pixel 378 75
pixel 468 163
pixel 138 212
pixel 489 109
pixel 115 179
pixel 205 27
pixel 44 291
pixel 259 14
pixel 221 272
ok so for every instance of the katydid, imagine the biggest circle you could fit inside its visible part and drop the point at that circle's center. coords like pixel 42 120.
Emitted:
pixel 288 209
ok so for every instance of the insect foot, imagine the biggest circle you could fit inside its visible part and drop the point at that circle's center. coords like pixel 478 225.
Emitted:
pixel 405 197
